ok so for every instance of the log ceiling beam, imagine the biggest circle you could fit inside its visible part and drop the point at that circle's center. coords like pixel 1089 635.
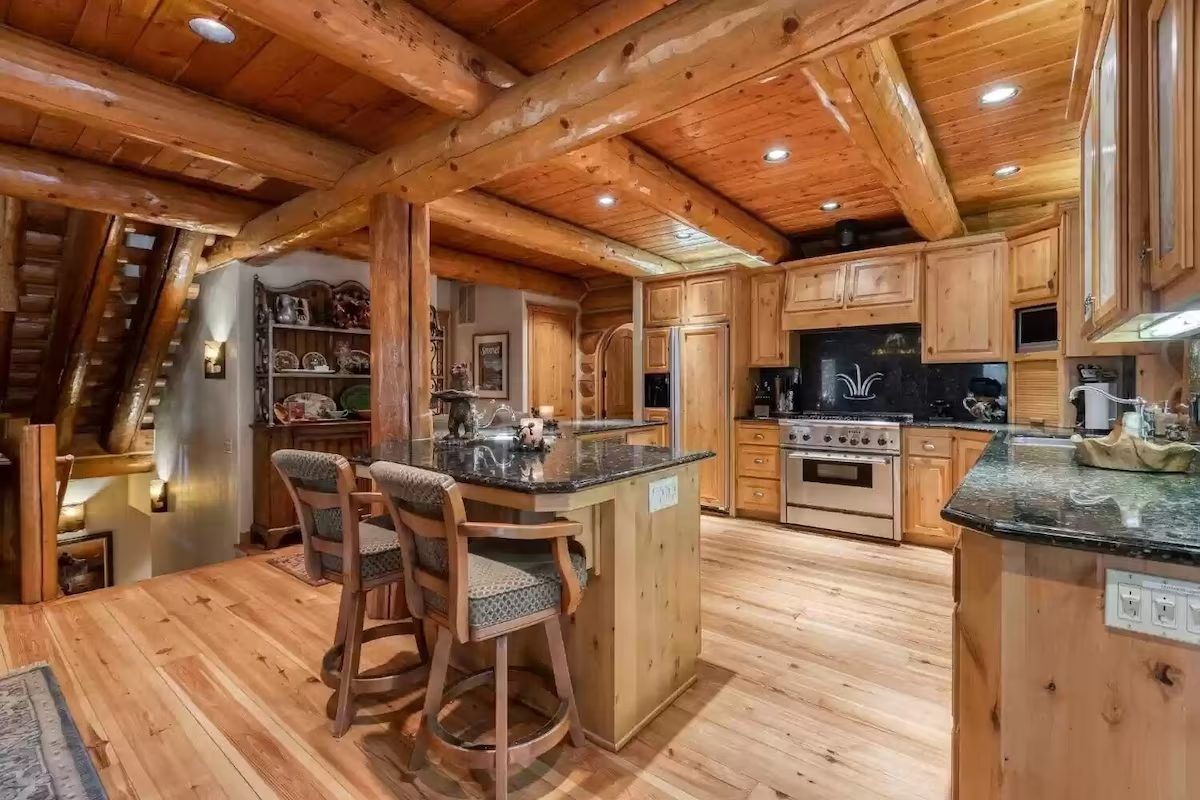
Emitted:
pixel 178 253
pixel 464 267
pixel 1086 48
pixel 37 175
pixel 667 61
pixel 94 92
pixel 11 225
pixel 867 92
pixel 411 52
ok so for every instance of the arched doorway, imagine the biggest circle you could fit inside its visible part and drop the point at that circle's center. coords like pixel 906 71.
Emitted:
pixel 616 376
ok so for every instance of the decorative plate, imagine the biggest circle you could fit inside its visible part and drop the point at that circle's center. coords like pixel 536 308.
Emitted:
pixel 315 362
pixel 286 360
pixel 356 398
pixel 355 362
pixel 316 406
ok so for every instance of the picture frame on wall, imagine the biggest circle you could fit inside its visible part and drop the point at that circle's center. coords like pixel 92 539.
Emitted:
pixel 491 365
pixel 85 563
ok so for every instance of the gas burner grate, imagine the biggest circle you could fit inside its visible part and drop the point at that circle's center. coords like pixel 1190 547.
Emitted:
pixel 856 416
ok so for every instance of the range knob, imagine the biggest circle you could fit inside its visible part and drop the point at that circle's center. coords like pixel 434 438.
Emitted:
pixel 828 438
pixel 842 439
pixel 806 437
pixel 882 441
pixel 792 436
pixel 855 441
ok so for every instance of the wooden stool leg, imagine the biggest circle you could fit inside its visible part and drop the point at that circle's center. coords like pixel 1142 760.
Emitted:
pixel 501 717
pixel 354 635
pixel 562 678
pixel 433 696
pixel 422 644
pixel 345 607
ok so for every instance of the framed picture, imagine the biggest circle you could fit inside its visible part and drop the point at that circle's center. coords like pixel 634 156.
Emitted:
pixel 491 365
pixel 85 562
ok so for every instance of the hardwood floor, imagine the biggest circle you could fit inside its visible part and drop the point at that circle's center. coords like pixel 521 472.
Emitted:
pixel 825 674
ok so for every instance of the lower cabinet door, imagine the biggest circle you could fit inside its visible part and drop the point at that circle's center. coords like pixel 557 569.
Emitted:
pixel 928 484
pixel 759 496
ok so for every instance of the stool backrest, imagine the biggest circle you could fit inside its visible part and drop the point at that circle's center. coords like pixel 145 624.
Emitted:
pixel 427 509
pixel 320 485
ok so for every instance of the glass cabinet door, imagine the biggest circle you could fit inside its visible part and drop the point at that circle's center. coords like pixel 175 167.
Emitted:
pixel 1087 208
pixel 1105 281
pixel 1168 20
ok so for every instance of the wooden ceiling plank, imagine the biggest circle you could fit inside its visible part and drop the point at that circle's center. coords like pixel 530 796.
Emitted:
pixel 181 257
pixel 667 61
pixel 89 91
pixel 98 279
pixel 34 175
pixel 1086 48
pixel 867 92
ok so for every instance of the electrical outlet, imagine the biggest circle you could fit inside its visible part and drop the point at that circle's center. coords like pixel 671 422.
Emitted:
pixel 1153 605
pixel 664 493
pixel 229 446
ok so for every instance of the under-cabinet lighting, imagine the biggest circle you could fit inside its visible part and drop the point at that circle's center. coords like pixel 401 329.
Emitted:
pixel 606 200
pixel 777 155
pixel 1007 171
pixel 830 206
pixel 998 94
pixel 1175 326
pixel 212 30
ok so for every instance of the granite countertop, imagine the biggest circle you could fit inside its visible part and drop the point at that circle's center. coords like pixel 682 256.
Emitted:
pixel 586 426
pixel 1042 496
pixel 570 465
pixel 962 425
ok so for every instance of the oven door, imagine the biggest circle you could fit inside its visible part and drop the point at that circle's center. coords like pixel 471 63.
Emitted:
pixel 851 483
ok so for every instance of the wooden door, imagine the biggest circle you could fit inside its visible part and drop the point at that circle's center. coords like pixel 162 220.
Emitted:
pixel 965 308
pixel 664 303
pixel 707 299
pixel 552 359
pixel 881 281
pixel 928 484
pixel 815 288
pixel 1172 47
pixel 617 378
pixel 1033 268
pixel 1107 282
pixel 967 450
pixel 769 342
pixel 656 350
pixel 705 400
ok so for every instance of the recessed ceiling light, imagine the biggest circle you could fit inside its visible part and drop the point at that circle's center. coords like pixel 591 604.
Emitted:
pixel 606 200
pixel 685 234
pixel 211 30
pixel 776 155
pixel 830 205
pixel 998 94
pixel 1007 171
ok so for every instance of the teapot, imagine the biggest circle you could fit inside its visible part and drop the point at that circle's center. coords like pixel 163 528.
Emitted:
pixel 292 310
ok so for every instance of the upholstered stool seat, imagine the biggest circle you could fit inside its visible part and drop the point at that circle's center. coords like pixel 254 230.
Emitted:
pixel 361 556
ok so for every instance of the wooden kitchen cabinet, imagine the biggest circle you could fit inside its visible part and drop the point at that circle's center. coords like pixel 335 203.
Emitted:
pixel 769 342
pixel 656 353
pixel 882 281
pixel 965 307
pixel 820 288
pixel 1033 268
pixel 707 298
pixel 758 482
pixel 664 303
pixel 705 418
pixel 928 484
pixel 1036 393
pixel 880 287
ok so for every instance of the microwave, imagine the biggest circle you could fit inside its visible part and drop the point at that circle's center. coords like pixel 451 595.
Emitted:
pixel 1037 329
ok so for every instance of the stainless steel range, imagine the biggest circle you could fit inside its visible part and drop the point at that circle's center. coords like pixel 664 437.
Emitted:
pixel 842 473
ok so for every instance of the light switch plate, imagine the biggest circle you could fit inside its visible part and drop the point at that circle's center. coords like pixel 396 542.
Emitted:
pixel 1166 607
pixel 664 493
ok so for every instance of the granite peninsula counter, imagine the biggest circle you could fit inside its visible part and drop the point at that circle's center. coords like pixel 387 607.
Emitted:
pixel 635 639
pixel 1049 701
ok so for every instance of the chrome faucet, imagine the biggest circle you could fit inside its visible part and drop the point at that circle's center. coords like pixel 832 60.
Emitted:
pixel 503 408
pixel 1145 424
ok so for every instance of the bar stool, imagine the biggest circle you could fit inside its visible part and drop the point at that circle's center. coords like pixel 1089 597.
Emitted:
pixel 483 581
pixel 358 555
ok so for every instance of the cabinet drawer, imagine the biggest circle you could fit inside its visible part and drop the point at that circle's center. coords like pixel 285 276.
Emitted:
pixel 758 494
pixel 758 462
pixel 937 444
pixel 757 434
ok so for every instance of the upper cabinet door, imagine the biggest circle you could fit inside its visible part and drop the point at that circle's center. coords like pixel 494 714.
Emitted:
pixel 1170 92
pixel 965 310
pixel 664 303
pixel 881 281
pixel 768 339
pixel 815 288
pixel 1033 268
pixel 1107 285
pixel 707 299
pixel 656 353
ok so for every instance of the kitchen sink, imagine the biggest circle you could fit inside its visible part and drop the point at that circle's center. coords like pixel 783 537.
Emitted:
pixel 1042 441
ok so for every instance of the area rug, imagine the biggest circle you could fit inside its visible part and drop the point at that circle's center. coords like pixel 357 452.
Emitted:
pixel 42 756
pixel 293 564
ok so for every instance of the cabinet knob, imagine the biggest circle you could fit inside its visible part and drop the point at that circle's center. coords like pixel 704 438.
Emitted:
pixel 758 436
pixel 929 446
pixel 758 494
pixel 759 461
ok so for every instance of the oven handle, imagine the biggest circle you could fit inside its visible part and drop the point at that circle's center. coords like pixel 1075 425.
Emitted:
pixel 841 458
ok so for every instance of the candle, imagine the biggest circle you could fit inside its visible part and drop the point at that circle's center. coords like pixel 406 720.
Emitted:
pixel 546 412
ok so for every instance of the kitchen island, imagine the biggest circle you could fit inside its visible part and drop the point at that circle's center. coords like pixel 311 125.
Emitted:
pixel 1049 701
pixel 634 642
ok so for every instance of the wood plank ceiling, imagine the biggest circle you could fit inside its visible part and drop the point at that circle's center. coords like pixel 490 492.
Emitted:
pixel 949 60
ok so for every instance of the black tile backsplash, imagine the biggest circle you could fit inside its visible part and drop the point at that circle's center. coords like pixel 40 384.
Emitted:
pixel 880 369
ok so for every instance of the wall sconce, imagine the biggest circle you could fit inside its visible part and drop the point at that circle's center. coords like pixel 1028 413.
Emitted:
pixel 159 495
pixel 71 518
pixel 214 360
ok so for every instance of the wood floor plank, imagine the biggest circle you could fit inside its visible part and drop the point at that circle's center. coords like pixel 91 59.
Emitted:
pixel 824 674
